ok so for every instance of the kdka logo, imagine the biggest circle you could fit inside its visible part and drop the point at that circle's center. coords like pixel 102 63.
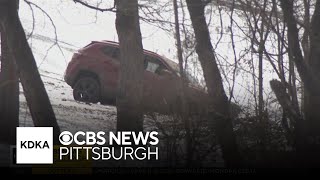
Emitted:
pixel 34 145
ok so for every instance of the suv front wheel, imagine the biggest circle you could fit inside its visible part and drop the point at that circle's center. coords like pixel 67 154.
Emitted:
pixel 86 89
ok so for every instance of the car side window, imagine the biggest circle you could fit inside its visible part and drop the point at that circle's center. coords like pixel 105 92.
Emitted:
pixel 153 65
pixel 111 51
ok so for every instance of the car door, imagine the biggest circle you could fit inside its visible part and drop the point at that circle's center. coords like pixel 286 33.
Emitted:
pixel 110 70
pixel 160 91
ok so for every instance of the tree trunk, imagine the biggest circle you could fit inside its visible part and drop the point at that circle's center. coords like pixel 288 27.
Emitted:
pixel 129 98
pixel 183 85
pixel 261 102
pixel 308 69
pixel 289 109
pixel 36 95
pixel 312 101
pixel 9 95
pixel 308 76
pixel 219 105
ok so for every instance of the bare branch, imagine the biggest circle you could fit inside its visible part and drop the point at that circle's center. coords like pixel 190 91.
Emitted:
pixel 56 42
pixel 33 20
pixel 111 9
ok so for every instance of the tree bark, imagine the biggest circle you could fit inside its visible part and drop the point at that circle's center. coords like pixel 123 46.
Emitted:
pixel 129 98
pixel 36 95
pixel 9 95
pixel 219 105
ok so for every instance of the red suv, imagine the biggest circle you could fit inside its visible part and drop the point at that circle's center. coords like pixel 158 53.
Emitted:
pixel 93 73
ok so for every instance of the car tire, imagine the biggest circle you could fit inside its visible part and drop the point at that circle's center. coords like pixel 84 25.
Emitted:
pixel 87 89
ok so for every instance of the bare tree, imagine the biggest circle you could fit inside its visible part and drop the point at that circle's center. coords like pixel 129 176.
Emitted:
pixel 308 67
pixel 218 103
pixel 36 95
pixel 129 98
pixel 183 87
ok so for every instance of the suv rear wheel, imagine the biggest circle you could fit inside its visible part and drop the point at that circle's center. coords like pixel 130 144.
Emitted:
pixel 86 89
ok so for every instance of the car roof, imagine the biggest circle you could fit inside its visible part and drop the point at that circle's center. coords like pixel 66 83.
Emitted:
pixel 173 65
pixel 117 45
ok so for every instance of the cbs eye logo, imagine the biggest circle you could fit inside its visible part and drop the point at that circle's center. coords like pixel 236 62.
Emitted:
pixel 66 138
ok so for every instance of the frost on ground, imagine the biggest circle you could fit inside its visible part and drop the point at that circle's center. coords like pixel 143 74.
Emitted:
pixel 76 116
pixel 71 115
